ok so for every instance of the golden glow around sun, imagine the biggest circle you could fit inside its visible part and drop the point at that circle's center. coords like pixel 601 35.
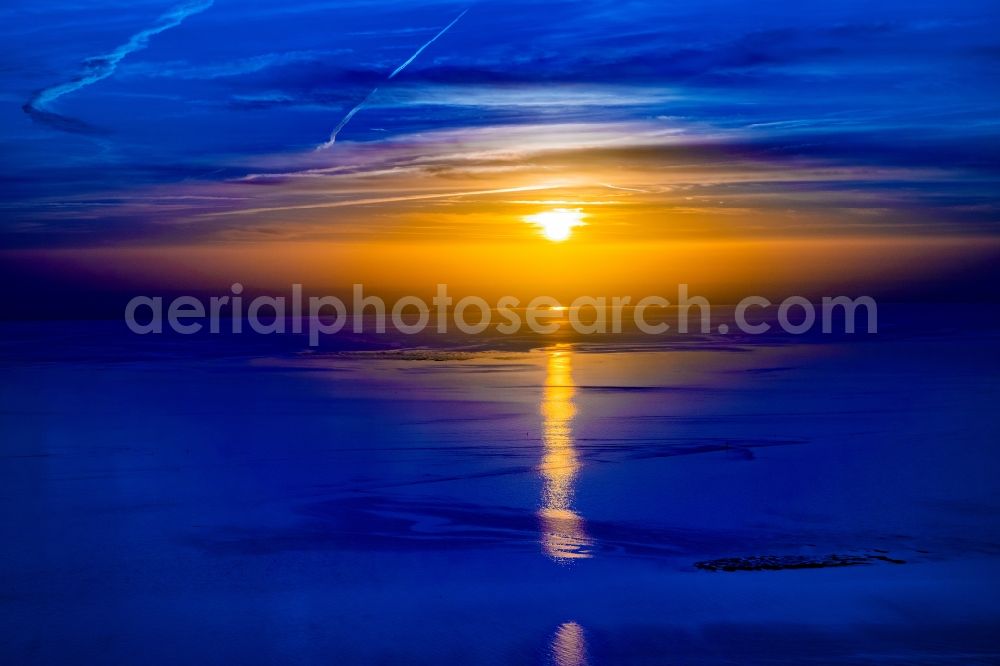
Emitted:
pixel 557 224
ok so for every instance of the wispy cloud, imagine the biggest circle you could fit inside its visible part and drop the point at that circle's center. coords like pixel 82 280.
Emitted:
pixel 184 70
pixel 382 200
pixel 103 66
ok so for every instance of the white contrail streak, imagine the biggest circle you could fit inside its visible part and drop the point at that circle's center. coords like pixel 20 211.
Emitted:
pixel 361 104
pixel 346 119
pixel 101 67
pixel 432 40
pixel 382 200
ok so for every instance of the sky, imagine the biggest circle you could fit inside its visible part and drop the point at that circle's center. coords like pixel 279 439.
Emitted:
pixel 151 140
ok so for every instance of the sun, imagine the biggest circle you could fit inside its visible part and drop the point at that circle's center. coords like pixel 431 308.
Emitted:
pixel 557 224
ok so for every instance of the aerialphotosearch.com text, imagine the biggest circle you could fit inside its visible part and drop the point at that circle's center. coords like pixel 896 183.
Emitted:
pixel 472 315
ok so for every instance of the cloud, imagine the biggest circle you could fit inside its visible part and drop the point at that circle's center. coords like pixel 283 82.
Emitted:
pixel 101 67
pixel 61 122
pixel 350 203
pixel 887 110
pixel 187 71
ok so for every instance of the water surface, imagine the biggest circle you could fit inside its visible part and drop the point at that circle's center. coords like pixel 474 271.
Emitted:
pixel 537 505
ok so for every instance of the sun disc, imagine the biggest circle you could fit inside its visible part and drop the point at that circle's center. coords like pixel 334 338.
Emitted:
pixel 557 224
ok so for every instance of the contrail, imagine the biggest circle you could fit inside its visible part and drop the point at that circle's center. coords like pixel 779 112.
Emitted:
pixel 103 66
pixel 346 119
pixel 382 200
pixel 360 105
pixel 432 40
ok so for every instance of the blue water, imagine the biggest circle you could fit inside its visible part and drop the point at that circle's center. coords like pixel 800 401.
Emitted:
pixel 537 505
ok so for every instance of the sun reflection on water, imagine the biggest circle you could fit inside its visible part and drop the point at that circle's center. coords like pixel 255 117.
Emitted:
pixel 569 645
pixel 564 535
